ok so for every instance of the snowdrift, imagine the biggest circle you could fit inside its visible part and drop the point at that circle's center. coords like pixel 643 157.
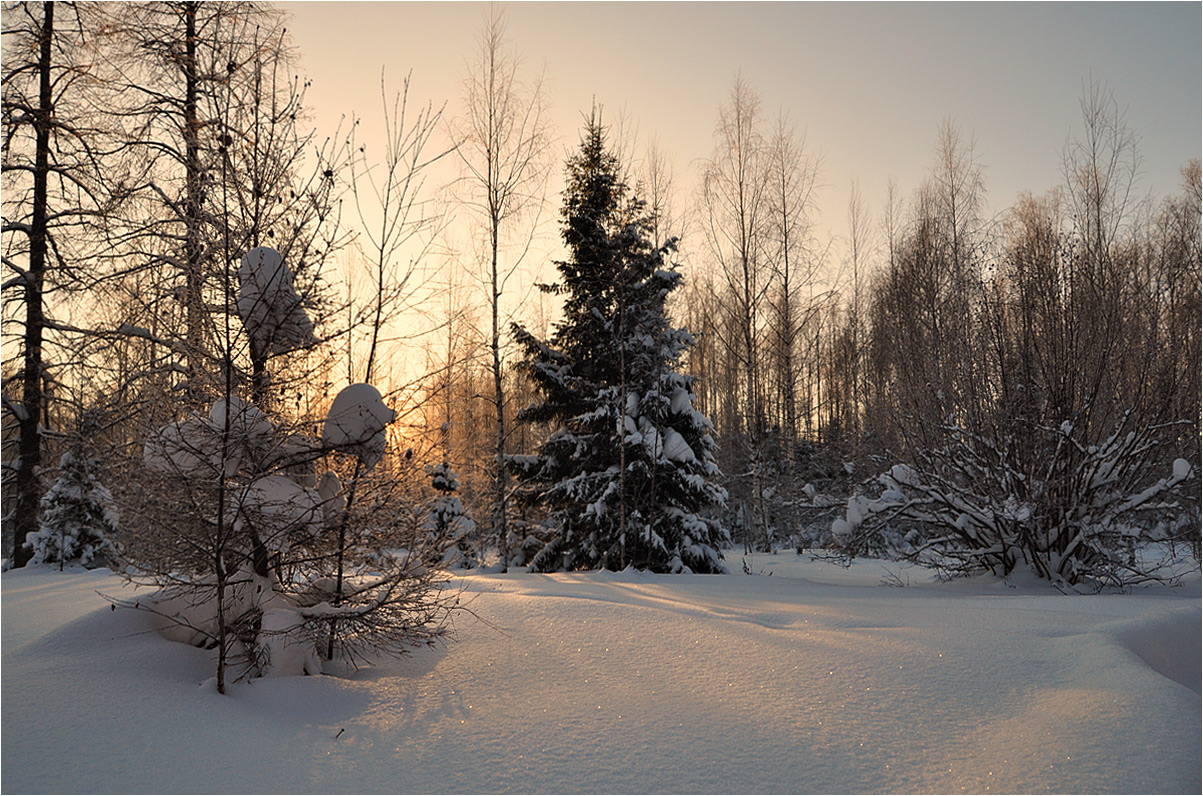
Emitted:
pixel 813 679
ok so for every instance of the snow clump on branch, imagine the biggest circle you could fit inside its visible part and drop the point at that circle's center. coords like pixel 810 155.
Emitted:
pixel 272 312
pixel 356 423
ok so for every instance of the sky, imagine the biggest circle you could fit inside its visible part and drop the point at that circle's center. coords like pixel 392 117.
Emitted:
pixel 868 84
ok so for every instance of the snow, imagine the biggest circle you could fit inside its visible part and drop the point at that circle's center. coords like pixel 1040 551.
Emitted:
pixel 277 506
pixel 356 423
pixel 190 447
pixel 247 422
pixel 904 475
pixel 841 529
pixel 288 653
pixel 330 489
pixel 676 448
pixel 814 680
pixel 193 446
pixel 681 402
pixel 269 306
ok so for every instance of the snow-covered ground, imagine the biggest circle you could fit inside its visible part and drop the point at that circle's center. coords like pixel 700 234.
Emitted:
pixel 811 679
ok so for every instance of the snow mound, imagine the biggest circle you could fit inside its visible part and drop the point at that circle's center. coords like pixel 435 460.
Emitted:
pixel 1170 645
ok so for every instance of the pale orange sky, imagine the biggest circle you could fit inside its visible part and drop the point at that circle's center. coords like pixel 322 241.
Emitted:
pixel 869 83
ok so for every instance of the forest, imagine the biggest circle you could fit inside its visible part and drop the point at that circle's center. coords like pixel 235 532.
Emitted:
pixel 212 313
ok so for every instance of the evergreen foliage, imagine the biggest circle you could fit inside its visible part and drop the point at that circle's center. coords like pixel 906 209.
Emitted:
pixel 449 524
pixel 78 518
pixel 627 474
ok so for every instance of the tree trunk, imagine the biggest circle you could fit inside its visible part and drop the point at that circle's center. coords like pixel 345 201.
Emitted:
pixel 193 249
pixel 259 378
pixel 30 461
pixel 499 481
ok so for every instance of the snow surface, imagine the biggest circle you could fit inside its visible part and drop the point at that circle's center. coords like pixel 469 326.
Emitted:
pixel 811 679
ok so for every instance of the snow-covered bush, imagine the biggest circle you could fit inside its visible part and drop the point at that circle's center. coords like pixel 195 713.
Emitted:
pixel 812 512
pixel 1071 512
pixel 313 569
pixel 79 519
pixel 253 553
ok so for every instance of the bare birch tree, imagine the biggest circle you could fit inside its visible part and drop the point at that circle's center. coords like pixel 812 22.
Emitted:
pixel 734 210
pixel 794 260
pixel 858 261
pixel 502 143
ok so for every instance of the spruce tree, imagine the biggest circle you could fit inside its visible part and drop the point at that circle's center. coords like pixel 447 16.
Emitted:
pixel 627 475
pixel 78 518
pixel 449 524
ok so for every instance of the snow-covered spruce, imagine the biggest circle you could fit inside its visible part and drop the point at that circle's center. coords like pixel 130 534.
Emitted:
pixel 627 477
pixel 448 524
pixel 79 518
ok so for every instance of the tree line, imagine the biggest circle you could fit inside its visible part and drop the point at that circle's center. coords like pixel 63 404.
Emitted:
pixel 149 147
pixel 997 354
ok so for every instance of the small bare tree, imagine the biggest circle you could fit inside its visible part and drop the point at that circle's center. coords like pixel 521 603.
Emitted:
pixel 502 142
pixel 397 219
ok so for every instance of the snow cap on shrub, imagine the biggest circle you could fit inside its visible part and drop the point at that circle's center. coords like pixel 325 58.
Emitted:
pixel 277 506
pixel 269 306
pixel 190 447
pixel 356 422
